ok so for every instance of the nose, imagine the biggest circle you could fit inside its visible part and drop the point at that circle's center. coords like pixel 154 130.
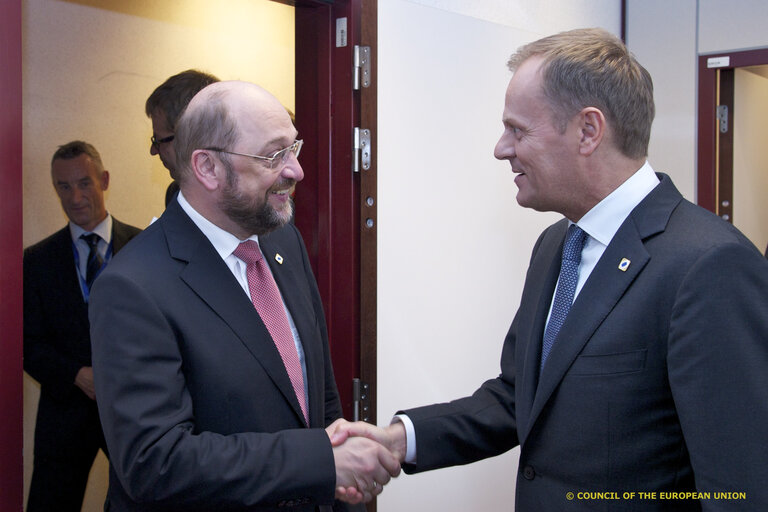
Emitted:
pixel 292 169
pixel 76 195
pixel 153 149
pixel 505 147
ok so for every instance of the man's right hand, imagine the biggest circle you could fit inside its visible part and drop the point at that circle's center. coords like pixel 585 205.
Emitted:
pixel 363 467
pixel 84 380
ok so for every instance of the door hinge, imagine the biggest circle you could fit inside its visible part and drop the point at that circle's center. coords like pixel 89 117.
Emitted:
pixel 361 397
pixel 722 117
pixel 361 71
pixel 361 146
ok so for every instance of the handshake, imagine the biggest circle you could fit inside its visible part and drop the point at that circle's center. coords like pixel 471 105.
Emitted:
pixel 366 458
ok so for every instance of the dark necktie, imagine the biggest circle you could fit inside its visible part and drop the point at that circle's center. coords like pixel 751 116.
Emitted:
pixel 566 287
pixel 94 258
pixel 265 297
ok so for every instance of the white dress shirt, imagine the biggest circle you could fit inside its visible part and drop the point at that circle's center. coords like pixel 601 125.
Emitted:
pixel 104 230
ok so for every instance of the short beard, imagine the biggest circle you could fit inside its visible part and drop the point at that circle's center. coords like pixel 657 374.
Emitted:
pixel 251 214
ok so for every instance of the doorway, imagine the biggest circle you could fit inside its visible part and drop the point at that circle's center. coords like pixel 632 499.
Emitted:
pixel 329 211
pixel 732 177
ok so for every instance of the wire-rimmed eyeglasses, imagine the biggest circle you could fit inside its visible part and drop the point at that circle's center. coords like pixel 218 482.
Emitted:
pixel 273 162
pixel 157 142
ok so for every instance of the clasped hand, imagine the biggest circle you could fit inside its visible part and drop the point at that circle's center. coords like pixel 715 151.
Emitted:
pixel 366 458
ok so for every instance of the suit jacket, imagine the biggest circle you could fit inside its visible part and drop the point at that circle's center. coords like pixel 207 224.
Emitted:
pixel 657 381
pixel 197 407
pixel 56 337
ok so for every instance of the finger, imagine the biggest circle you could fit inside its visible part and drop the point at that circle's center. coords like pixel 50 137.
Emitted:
pixel 358 429
pixel 364 491
pixel 377 488
pixel 389 462
pixel 349 495
pixel 336 433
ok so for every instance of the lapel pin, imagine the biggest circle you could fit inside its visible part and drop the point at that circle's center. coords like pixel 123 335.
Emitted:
pixel 624 264
pixel 279 259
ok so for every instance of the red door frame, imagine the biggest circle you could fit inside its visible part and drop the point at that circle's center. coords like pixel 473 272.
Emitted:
pixel 706 187
pixel 11 400
pixel 327 201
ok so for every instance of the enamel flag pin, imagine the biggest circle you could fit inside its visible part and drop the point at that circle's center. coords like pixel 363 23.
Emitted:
pixel 279 259
pixel 624 264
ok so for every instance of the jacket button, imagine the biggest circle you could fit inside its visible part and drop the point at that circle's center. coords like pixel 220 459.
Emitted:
pixel 528 473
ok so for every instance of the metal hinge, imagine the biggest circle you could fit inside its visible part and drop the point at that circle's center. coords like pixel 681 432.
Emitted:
pixel 722 117
pixel 361 70
pixel 361 146
pixel 361 400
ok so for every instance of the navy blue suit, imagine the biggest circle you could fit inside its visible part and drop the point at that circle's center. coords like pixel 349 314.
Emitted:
pixel 198 410
pixel 657 381
pixel 56 345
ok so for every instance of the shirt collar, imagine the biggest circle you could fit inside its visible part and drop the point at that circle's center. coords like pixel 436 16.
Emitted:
pixel 223 241
pixel 103 229
pixel 606 217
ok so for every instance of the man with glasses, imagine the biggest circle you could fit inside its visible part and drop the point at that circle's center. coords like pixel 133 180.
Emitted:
pixel 211 353
pixel 58 274
pixel 163 107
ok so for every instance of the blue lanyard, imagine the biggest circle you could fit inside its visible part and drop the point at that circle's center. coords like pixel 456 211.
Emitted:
pixel 83 284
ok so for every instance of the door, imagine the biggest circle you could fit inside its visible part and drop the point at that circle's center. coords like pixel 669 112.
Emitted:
pixel 336 202
pixel 728 177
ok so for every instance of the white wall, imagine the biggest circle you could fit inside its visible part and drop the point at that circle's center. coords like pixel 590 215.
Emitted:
pixel 731 25
pixel 667 38
pixel 453 243
pixel 662 35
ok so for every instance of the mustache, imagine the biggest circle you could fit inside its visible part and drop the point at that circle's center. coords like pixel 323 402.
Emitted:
pixel 283 184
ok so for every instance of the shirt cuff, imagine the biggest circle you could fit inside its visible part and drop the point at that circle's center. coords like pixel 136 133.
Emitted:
pixel 410 437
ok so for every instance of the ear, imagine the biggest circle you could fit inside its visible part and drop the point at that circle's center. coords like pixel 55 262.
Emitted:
pixel 593 129
pixel 205 169
pixel 105 180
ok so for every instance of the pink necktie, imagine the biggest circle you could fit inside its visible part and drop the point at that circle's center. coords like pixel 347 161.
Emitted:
pixel 266 299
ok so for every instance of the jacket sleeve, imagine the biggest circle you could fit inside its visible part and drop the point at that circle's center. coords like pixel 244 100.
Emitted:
pixel 43 358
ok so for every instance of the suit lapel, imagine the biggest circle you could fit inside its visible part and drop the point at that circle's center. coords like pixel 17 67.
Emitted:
pixel 544 273
pixel 120 235
pixel 210 278
pixel 603 289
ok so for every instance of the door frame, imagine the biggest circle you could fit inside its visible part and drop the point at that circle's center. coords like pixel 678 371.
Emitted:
pixel 714 184
pixel 11 399
pixel 331 213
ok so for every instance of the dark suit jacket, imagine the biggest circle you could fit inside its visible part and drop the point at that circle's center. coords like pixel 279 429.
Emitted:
pixel 198 410
pixel 56 338
pixel 657 381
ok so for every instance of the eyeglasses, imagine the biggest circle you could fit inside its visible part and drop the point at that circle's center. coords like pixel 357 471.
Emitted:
pixel 157 142
pixel 273 162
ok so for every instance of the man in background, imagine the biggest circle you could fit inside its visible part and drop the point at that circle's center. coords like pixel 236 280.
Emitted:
pixel 636 362
pixel 211 353
pixel 163 107
pixel 58 274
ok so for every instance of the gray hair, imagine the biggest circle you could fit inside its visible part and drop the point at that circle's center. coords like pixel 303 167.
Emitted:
pixel 593 68
pixel 76 148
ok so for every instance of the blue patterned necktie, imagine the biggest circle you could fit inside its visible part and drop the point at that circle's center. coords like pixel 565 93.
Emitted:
pixel 566 287
pixel 94 258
